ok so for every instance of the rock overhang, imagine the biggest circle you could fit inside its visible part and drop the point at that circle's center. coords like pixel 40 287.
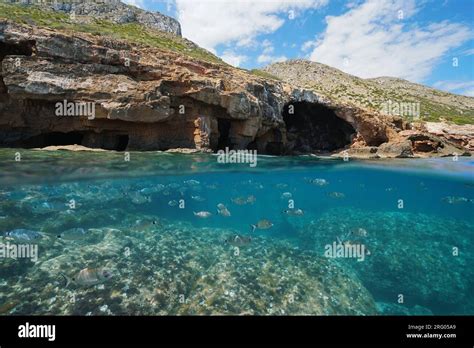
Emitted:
pixel 160 99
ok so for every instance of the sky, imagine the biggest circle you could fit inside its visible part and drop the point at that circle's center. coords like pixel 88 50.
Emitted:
pixel 424 41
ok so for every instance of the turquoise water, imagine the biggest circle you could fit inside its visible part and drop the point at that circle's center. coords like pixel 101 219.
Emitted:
pixel 414 219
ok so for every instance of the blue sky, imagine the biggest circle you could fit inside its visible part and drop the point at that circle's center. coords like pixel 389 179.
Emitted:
pixel 425 41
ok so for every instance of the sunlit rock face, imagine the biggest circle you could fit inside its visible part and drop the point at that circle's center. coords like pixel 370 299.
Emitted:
pixel 121 96
pixel 111 10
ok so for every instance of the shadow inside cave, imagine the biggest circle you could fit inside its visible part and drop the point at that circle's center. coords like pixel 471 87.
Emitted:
pixel 313 127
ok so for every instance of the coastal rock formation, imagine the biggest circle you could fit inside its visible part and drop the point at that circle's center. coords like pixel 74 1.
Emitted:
pixel 116 95
pixel 111 10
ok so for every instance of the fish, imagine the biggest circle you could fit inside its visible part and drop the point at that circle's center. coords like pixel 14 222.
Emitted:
pixel 286 195
pixel 88 277
pixel 318 182
pixel 174 186
pixel 48 207
pixel 150 190
pixel 239 200
pixel 359 232
pixel 336 195
pixel 457 200
pixel 281 186
pixel 238 240
pixel 192 182
pixel 145 223
pixel 173 203
pixel 294 212
pixel 138 198
pixel 24 235
pixel 251 199
pixel 198 198
pixel 73 234
pixel 262 225
pixel 244 200
pixel 222 210
pixel 202 214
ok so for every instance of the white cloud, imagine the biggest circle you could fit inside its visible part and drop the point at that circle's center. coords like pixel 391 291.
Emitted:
pixel 308 45
pixel 233 58
pixel 371 40
pixel 137 3
pixel 213 22
pixel 458 87
pixel 469 52
pixel 267 59
pixel 267 54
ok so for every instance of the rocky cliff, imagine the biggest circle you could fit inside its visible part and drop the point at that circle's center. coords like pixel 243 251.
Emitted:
pixel 111 10
pixel 165 93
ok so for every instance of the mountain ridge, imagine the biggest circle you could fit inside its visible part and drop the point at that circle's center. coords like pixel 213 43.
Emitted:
pixel 435 105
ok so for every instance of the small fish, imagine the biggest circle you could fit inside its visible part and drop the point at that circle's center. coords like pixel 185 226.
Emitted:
pixel 456 200
pixel 202 214
pixel 24 235
pixel 262 225
pixel 238 240
pixel 73 234
pixel 222 210
pixel 198 198
pixel 336 195
pixel 286 195
pixel 144 223
pixel 48 207
pixel 281 186
pixel 192 182
pixel 319 182
pixel 173 203
pixel 294 212
pixel 239 200
pixel 251 199
pixel 174 186
pixel 359 232
pixel 88 277
pixel 138 198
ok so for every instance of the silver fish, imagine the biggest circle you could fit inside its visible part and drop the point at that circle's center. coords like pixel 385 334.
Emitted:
pixel 202 214
pixel 89 277
pixel 294 212
pixel 24 235
pixel 73 234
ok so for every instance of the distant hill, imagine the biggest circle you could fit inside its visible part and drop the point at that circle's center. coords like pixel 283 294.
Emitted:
pixel 435 105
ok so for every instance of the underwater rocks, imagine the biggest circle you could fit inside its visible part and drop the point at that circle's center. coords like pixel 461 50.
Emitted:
pixel 148 98
pixel 414 255
pixel 179 269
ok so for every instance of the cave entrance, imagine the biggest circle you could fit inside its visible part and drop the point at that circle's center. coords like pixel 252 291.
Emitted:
pixel 52 139
pixel 223 126
pixel 106 141
pixel 313 127
pixel 57 138
pixel 122 143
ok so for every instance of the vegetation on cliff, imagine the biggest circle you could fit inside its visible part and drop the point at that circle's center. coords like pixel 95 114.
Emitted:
pixel 132 32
